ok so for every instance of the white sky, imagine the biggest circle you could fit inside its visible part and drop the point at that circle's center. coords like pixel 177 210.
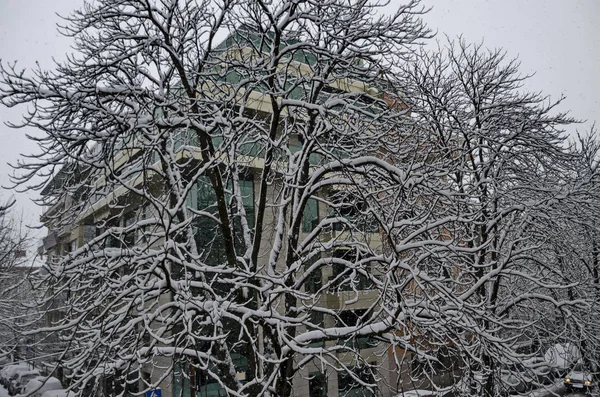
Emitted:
pixel 556 39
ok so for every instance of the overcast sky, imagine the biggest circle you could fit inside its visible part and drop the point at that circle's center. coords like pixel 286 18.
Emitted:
pixel 556 39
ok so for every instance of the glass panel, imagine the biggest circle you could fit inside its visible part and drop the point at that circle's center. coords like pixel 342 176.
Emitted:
pixel 359 281
pixel 247 190
pixel 314 281
pixel 317 384
pixel 129 237
pixel 351 318
pixel 354 210
pixel 349 387
pixel 181 381
pixel 208 232
pixel 310 217
pixel 318 319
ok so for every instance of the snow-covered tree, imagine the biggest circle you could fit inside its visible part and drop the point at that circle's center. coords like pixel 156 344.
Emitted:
pixel 262 194
pixel 226 191
pixel 572 248
pixel 505 153
pixel 14 242
pixel 14 239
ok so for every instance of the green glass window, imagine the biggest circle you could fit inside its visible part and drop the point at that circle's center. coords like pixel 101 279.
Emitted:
pixel 208 232
pixel 247 191
pixel 318 319
pixel 349 318
pixel 314 280
pixel 317 384
pixel 181 381
pixel 310 217
pixel 348 280
pixel 129 237
pixel 348 387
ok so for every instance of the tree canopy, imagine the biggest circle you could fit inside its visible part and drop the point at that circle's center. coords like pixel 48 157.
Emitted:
pixel 315 193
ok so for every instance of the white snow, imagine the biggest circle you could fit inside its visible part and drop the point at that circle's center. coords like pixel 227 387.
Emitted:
pixel 562 356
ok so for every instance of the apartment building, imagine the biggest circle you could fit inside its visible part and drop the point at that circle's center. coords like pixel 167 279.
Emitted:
pixel 97 210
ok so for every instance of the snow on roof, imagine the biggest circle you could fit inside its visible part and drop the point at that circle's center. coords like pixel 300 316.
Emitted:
pixel 562 356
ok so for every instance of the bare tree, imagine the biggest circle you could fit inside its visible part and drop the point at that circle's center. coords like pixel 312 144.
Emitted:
pixel 505 154
pixel 197 171
pixel 304 198
pixel 572 247
pixel 14 242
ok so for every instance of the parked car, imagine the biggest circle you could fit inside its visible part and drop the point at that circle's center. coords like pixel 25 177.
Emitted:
pixel 8 371
pixel 578 378
pixel 41 384
pixel 20 379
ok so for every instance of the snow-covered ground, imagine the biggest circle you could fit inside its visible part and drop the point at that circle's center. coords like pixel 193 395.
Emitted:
pixel 3 392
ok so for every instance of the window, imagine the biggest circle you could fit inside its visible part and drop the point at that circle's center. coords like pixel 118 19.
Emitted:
pixel 318 320
pixel 354 210
pixel 314 280
pixel 207 386
pixel 247 193
pixel 112 240
pixel 129 237
pixel 310 217
pixel 349 318
pixel 208 232
pixel 144 233
pixel 348 278
pixel 89 232
pixel 317 384
pixel 348 386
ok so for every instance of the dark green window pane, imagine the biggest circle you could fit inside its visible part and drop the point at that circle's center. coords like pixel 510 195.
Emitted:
pixel 349 387
pixel 318 320
pixel 317 384
pixel 181 381
pixel 314 280
pixel 310 217
pixel 208 233
pixel 349 280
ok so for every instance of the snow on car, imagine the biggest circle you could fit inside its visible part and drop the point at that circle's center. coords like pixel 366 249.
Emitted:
pixel 38 386
pixel 562 356
pixel 20 379
pixel 7 372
